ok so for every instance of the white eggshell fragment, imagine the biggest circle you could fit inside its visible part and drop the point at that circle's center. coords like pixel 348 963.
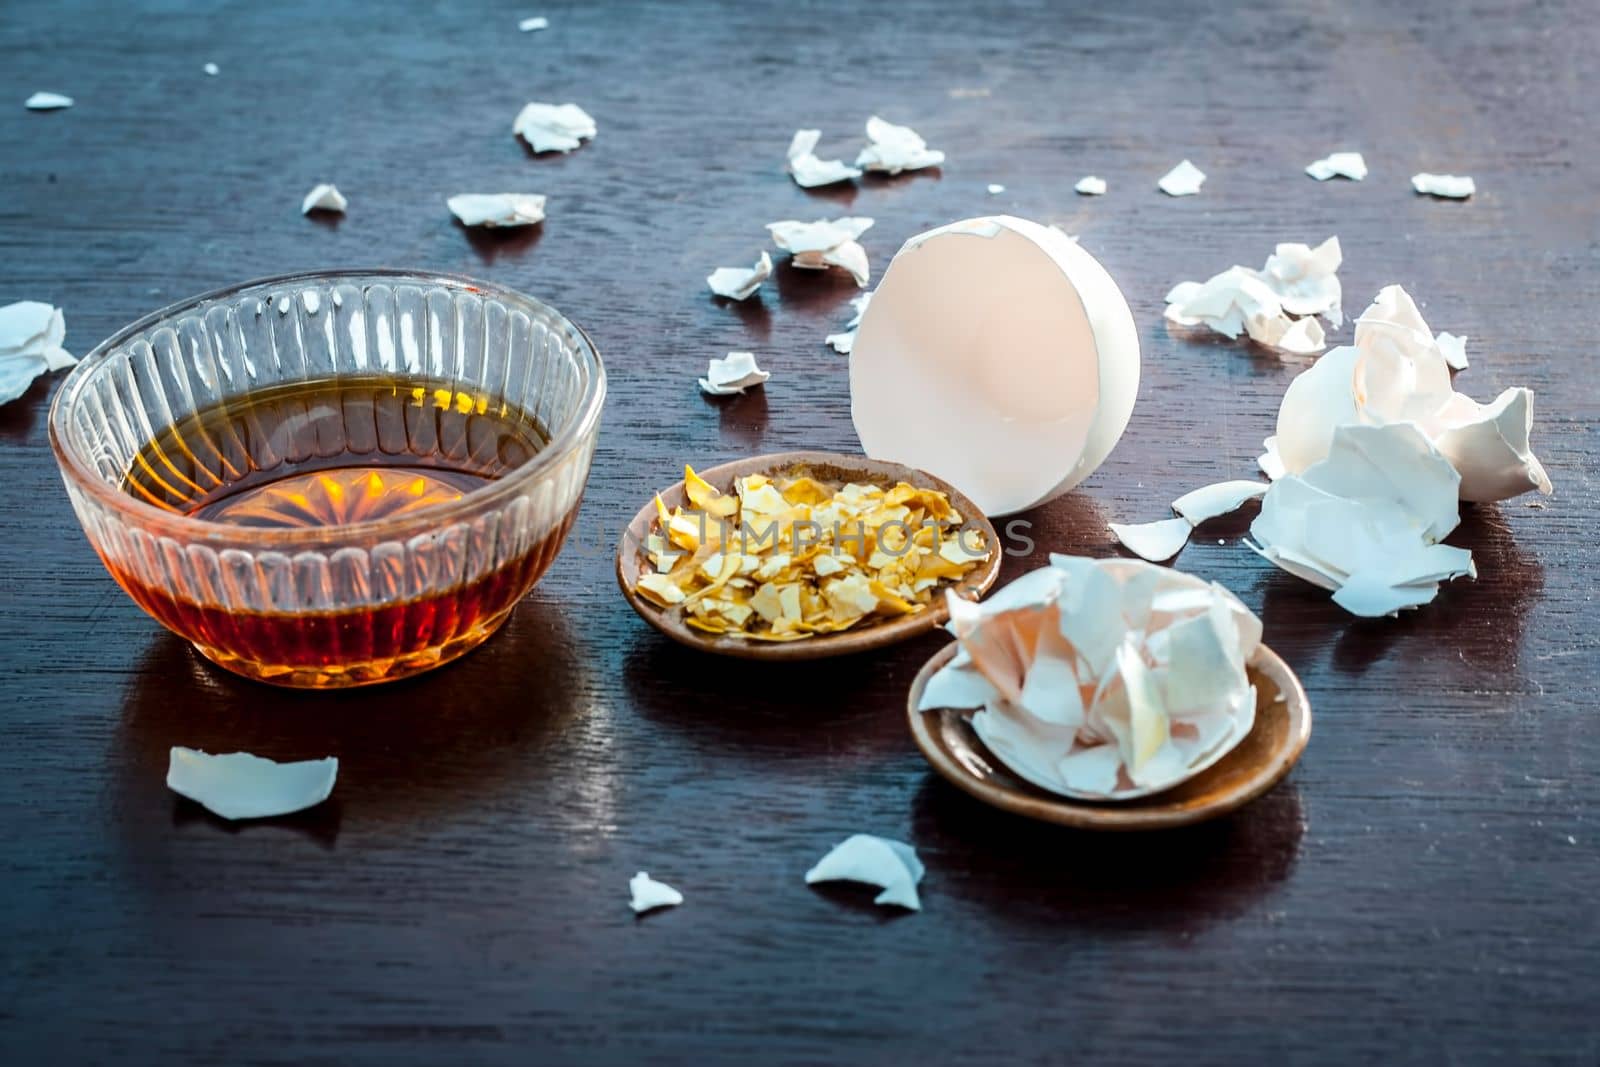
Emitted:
pixel 1366 520
pixel 1397 371
pixel 825 243
pixel 47 102
pixel 1183 180
pixel 238 785
pixel 1217 499
pixel 323 197
pixel 553 127
pixel 1296 280
pixel 998 355
pixel 211 70
pixel 533 24
pixel 497 209
pixel 1448 186
pixel 890 865
pixel 740 283
pixel 1090 186
pixel 809 171
pixel 1103 679
pixel 1339 165
pixel 1155 541
pixel 733 374
pixel 646 894
pixel 1454 349
pixel 842 343
pixel 895 148
pixel 31 335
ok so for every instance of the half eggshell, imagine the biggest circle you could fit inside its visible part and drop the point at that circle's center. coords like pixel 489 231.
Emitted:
pixel 998 355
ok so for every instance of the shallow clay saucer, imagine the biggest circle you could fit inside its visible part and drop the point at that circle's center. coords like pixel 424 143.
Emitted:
pixel 1282 727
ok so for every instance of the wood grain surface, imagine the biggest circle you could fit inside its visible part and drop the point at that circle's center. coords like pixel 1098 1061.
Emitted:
pixel 1421 889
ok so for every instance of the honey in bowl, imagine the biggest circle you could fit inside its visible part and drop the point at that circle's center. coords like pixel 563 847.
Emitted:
pixel 332 453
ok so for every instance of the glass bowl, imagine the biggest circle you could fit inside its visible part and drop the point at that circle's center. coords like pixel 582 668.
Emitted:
pixel 334 478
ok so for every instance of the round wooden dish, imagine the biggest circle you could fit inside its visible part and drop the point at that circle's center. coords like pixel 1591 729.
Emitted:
pixel 826 467
pixel 1282 727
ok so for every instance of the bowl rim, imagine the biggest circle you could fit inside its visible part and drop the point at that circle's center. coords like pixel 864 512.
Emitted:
pixel 580 425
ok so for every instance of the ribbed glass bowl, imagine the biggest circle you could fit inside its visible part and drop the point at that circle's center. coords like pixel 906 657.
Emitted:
pixel 393 591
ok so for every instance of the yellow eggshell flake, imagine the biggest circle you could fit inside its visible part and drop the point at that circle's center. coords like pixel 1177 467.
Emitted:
pixel 784 558
pixel 661 589
pixel 705 497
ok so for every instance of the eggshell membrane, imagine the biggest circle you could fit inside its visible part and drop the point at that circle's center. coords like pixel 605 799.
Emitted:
pixel 998 355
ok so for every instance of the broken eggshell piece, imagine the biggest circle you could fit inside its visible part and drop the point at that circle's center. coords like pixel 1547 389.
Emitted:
pixel 238 785
pixel 895 148
pixel 497 209
pixel 647 894
pixel 1103 679
pixel 732 374
pixel 1397 371
pixel 31 336
pixel 740 283
pixel 1276 305
pixel 842 343
pixel 43 101
pixel 1339 165
pixel 998 355
pixel 1183 180
pixel 1155 541
pixel 890 865
pixel 825 243
pixel 323 197
pixel 1447 186
pixel 1366 520
pixel 553 127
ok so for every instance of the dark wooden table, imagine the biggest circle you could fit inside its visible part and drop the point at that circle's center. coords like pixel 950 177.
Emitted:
pixel 1421 889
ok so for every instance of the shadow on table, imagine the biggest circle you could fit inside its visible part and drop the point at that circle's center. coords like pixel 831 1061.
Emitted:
pixel 753 314
pixel 741 418
pixel 777 712
pixel 18 418
pixel 418 748
pixel 1032 873
pixel 491 243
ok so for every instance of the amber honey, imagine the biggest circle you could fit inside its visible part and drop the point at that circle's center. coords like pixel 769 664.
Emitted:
pixel 328 454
